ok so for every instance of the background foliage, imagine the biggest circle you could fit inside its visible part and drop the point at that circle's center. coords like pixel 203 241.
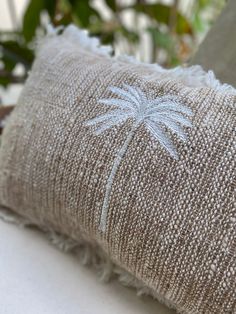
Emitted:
pixel 171 31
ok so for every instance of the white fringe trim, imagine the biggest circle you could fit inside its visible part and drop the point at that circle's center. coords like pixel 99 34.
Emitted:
pixel 89 255
pixel 193 76
pixel 80 38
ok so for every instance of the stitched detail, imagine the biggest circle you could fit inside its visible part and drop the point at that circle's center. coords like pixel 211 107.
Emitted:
pixel 156 114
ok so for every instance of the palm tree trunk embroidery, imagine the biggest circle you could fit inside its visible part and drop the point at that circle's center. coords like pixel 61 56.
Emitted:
pixel 112 175
pixel 156 114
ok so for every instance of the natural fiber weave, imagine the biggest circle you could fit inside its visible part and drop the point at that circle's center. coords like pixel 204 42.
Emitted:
pixel 171 217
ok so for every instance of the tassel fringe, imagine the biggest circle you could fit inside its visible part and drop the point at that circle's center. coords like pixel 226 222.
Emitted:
pixel 88 255
pixel 193 76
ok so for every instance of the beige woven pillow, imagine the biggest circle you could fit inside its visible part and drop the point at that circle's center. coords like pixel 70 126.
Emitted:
pixel 134 159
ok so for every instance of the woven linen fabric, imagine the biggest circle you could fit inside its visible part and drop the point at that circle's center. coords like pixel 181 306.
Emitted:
pixel 138 160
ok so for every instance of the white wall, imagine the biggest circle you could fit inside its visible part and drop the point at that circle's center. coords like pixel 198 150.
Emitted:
pixel 5 17
pixel 10 95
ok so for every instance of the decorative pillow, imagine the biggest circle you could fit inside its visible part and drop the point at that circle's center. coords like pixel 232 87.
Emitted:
pixel 137 160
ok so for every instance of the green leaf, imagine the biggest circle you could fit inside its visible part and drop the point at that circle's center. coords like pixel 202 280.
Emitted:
pixel 203 3
pixel 32 18
pixel 9 63
pixel 111 4
pixel 131 36
pixel 4 81
pixel 107 38
pixel 50 6
pixel 183 25
pixel 84 12
pixel 12 50
pixel 64 19
pixel 198 23
pixel 161 13
pixel 160 39
pixel 174 61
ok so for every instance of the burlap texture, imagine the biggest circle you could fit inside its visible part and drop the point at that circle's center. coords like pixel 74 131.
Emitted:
pixel 171 223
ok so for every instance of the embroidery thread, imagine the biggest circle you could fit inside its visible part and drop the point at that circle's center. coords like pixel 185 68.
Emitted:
pixel 156 114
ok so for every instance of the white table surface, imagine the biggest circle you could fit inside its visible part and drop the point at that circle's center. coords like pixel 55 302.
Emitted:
pixel 36 278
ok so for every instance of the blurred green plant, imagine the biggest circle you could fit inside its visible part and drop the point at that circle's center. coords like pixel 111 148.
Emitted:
pixel 172 33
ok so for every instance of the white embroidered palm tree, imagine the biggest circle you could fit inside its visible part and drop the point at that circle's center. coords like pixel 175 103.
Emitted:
pixel 156 114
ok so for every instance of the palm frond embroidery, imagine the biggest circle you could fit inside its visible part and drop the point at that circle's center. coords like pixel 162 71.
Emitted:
pixel 156 114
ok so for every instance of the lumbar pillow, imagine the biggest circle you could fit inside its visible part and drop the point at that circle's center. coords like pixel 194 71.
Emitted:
pixel 136 160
